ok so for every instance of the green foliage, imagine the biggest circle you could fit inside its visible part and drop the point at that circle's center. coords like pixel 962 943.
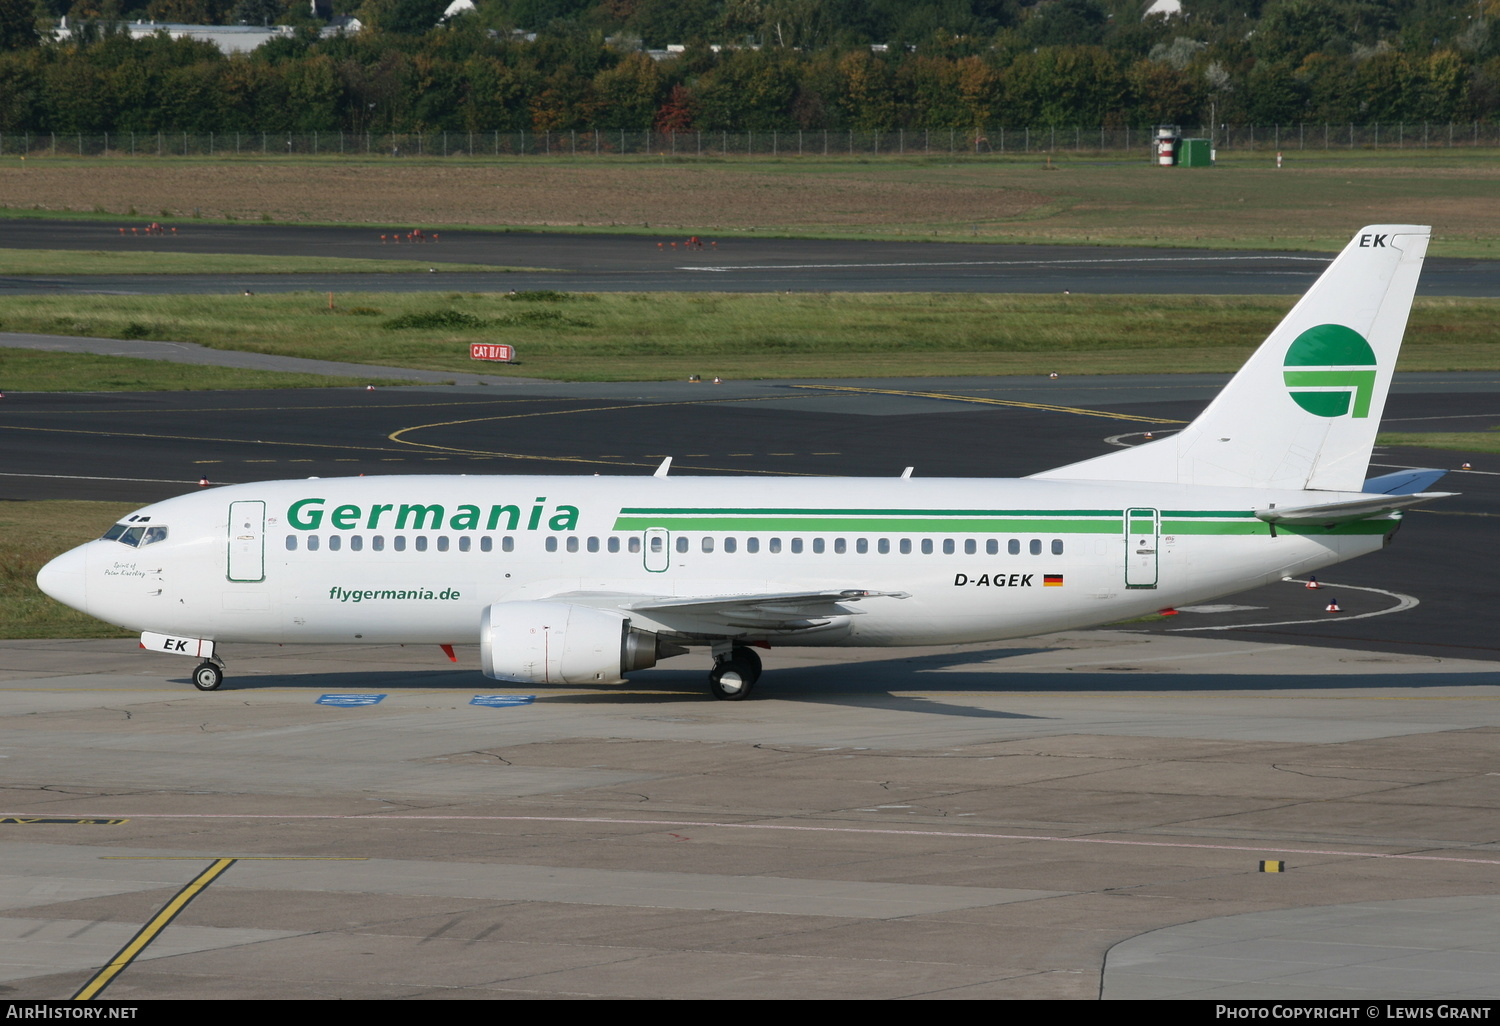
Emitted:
pixel 435 320
pixel 875 65
pixel 17 24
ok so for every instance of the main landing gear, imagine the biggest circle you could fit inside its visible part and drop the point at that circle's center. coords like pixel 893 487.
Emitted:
pixel 734 674
pixel 209 675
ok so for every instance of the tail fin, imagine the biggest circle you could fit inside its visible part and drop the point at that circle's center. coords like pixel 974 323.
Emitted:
pixel 1304 409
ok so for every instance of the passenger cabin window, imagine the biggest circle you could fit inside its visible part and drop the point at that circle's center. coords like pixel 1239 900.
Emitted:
pixel 356 542
pixel 614 544
pixel 752 544
pixel 817 545
pixel 862 545
pixel 334 542
pixel 399 543
pixel 421 543
pixel 552 543
pixel 730 545
pixel 796 545
pixel 442 543
pixel 1057 546
pixel 291 543
pixel 708 543
pixel 465 542
pixel 838 546
pixel 572 543
pixel 377 543
pixel 1036 546
pixel 593 545
pixel 682 544
pixel 1013 546
pixel 774 545
pixel 312 543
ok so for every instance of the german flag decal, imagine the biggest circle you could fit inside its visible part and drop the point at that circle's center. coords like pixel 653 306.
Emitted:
pixel 1052 580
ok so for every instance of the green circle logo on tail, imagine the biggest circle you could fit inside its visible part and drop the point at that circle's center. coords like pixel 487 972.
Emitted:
pixel 1325 375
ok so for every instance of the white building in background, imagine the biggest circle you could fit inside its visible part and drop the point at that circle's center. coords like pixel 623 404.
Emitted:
pixel 1164 8
pixel 228 38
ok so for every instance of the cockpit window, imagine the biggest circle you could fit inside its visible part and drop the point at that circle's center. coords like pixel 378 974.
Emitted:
pixel 135 536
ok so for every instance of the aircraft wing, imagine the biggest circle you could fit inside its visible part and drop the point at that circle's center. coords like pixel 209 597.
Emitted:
pixel 772 611
pixel 1343 512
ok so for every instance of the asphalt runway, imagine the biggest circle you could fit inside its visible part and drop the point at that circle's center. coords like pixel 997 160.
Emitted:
pixel 147 446
pixel 735 262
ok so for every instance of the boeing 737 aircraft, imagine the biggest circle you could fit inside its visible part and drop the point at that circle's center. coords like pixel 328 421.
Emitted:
pixel 581 580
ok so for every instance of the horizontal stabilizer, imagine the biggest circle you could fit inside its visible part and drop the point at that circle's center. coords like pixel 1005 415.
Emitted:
pixel 1403 482
pixel 1344 512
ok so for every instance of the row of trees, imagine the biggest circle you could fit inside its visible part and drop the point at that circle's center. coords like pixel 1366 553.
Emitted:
pixel 1301 64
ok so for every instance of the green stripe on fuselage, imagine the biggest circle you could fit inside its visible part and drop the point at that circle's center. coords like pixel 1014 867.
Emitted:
pixel 978 521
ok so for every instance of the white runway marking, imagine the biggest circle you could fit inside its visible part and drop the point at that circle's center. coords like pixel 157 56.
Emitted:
pixel 957 834
pixel 1008 263
pixel 1403 602
pixel 81 477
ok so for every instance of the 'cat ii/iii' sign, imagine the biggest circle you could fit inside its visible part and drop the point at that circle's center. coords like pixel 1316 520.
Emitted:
pixel 492 351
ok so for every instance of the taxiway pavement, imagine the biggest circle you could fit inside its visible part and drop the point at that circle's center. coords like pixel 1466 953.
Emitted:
pixel 733 262
pixel 1077 816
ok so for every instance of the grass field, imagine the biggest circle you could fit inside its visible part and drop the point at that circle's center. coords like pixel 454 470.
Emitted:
pixel 1454 441
pixel 70 261
pixel 1314 202
pixel 32 533
pixel 624 336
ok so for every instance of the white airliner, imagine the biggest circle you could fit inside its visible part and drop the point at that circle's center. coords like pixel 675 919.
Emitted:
pixel 580 580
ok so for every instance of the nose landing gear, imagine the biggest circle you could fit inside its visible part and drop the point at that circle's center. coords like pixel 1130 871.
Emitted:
pixel 208 675
pixel 734 674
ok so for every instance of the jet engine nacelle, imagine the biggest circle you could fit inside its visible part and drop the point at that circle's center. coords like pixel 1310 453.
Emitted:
pixel 561 643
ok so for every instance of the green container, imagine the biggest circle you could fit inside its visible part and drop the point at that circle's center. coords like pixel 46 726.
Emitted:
pixel 1195 153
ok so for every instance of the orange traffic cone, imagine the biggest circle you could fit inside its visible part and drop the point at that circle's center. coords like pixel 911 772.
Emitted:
pixel 203 482
pixel 369 388
pixel 1312 583
pixel 1332 607
pixel 1466 467
pixel 1169 611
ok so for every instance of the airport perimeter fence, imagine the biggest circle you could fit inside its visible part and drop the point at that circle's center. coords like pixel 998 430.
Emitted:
pixel 830 143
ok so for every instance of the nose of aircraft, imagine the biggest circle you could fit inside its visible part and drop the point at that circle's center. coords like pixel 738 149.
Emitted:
pixel 63 578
